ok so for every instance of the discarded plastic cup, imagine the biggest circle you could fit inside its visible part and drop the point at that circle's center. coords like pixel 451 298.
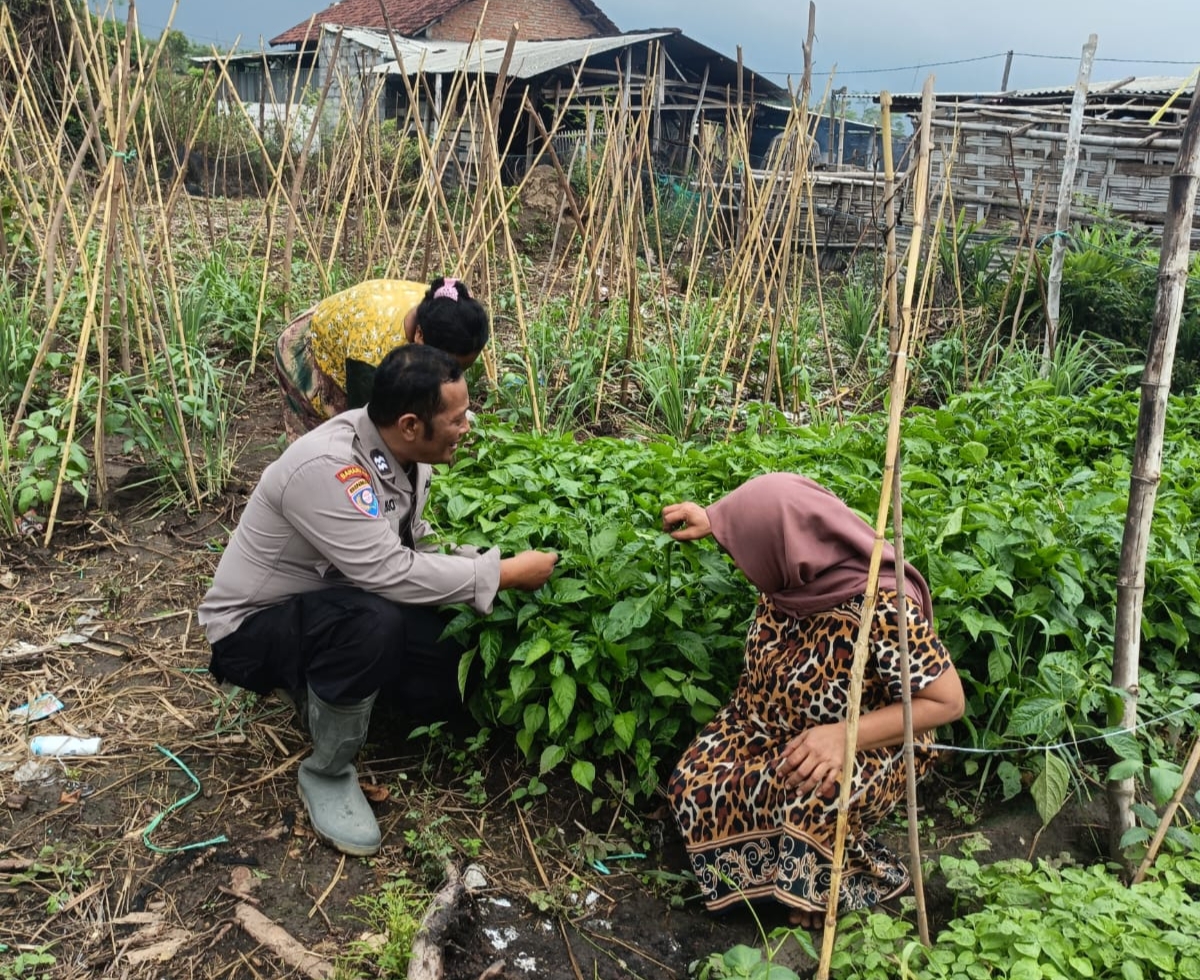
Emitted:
pixel 64 745
pixel 43 706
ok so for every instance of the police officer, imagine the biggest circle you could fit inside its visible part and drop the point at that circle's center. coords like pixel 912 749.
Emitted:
pixel 329 587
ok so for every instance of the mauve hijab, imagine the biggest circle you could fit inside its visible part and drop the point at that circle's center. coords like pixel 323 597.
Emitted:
pixel 802 546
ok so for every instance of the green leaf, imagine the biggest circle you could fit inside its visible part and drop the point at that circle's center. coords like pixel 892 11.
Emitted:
pixel 952 527
pixel 464 671
pixel 1082 966
pixel 740 960
pixel 601 545
pixel 1025 969
pixel 552 755
pixel 973 453
pixel 976 622
pixel 569 591
pixel 521 679
pixel 691 645
pixel 1164 782
pixel 1049 789
pixel 584 773
pixel 1131 970
pixel 1041 717
pixel 490 644
pixel 531 651
pixel 625 617
pixel 1125 745
pixel 1125 769
pixel 1010 780
pixel 562 701
pixel 625 727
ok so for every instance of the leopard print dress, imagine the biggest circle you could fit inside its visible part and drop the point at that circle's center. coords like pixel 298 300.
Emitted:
pixel 748 835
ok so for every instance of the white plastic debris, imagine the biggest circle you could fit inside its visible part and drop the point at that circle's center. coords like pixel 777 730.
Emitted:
pixel 34 771
pixel 58 745
pixel 474 878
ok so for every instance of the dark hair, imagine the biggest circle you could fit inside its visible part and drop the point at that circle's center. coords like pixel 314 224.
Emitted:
pixel 457 326
pixel 409 382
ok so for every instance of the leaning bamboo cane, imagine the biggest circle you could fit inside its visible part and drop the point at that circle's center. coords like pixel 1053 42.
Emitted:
pixel 891 263
pixel 1164 824
pixel 898 392
pixel 1148 450
pixel 910 764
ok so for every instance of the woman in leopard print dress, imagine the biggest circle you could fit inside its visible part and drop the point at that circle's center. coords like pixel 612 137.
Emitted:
pixel 755 795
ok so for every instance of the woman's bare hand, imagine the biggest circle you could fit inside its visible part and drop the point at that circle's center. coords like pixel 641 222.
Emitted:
pixel 686 521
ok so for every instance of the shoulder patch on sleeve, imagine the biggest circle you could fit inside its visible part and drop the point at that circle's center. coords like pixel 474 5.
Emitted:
pixel 362 496
pixel 355 472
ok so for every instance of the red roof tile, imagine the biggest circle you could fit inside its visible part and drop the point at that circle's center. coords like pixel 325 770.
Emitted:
pixel 407 17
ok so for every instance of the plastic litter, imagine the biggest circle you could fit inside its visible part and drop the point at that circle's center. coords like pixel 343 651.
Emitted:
pixel 63 745
pixel 43 706
pixel 34 771
pixel 475 878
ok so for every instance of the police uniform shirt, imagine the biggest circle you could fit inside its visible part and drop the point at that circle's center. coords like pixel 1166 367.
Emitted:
pixel 337 509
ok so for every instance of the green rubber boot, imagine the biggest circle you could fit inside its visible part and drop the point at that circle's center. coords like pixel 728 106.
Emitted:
pixel 337 809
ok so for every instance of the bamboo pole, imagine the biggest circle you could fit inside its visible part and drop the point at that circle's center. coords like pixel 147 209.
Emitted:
pixel 1148 452
pixel 1066 190
pixel 910 762
pixel 1164 824
pixel 891 263
pixel 899 388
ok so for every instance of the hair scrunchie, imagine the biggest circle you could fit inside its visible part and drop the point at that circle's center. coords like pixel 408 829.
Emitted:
pixel 447 290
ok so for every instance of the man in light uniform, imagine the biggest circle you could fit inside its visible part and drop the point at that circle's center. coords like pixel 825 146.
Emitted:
pixel 328 588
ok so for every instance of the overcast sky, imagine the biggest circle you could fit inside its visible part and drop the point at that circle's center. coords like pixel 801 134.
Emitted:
pixel 873 44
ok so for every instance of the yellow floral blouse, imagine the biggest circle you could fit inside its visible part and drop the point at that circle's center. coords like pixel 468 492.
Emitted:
pixel 363 322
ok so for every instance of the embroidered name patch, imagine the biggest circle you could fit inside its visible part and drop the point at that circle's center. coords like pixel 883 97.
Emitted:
pixel 348 473
pixel 362 496
pixel 380 462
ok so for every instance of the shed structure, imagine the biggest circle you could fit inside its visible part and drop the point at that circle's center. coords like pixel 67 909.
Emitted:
pixel 1002 153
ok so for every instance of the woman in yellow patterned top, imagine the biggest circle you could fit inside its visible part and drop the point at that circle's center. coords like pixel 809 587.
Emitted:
pixel 326 358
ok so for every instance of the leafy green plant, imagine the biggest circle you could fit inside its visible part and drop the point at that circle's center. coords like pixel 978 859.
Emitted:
pixel 394 913
pixel 679 395
pixel 854 319
pixel 1014 507
pixel 27 964
pixel 37 455
pixel 189 435
pixel 1016 919
pixel 568 372
pixel 230 284
pixel 743 961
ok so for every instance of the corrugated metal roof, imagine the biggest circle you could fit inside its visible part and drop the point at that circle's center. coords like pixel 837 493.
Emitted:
pixel 1146 85
pixel 529 58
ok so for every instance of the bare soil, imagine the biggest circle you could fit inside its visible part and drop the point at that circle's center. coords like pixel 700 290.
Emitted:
pixel 107 862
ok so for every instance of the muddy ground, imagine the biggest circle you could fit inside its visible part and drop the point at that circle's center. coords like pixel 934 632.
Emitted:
pixel 157 856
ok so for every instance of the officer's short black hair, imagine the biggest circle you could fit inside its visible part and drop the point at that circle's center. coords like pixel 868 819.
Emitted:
pixel 409 382
pixel 451 320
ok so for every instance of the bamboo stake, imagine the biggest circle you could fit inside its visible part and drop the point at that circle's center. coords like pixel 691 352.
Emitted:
pixel 1164 824
pixel 1148 451
pixel 896 408
pixel 891 263
pixel 1066 190
pixel 910 762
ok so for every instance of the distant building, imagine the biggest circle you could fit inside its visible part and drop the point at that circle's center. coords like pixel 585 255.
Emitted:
pixel 1002 152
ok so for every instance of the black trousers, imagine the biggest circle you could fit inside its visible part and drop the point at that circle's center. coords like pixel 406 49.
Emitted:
pixel 347 644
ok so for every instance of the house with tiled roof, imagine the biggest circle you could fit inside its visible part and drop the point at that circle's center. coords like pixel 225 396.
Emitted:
pixel 566 58
pixel 457 20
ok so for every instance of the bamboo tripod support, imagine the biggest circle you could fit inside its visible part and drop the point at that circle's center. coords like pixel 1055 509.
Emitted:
pixel 898 390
